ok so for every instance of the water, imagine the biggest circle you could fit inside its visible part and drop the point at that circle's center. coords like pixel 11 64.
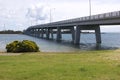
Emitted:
pixel 88 42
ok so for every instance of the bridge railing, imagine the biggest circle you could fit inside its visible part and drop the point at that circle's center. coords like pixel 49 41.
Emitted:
pixel 99 16
pixel 87 18
pixel 93 17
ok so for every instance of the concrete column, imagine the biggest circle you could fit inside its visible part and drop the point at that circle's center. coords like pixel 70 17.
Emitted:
pixel 98 34
pixel 42 33
pixel 59 34
pixel 34 32
pixel 77 35
pixel 45 33
pixel 38 33
pixel 73 34
pixel 48 33
pixel 51 30
pixel 31 31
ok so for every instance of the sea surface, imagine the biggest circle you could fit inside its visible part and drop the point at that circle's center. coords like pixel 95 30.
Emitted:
pixel 87 42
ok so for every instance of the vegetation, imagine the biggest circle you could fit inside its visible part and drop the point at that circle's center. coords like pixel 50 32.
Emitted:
pixel 84 65
pixel 10 32
pixel 24 46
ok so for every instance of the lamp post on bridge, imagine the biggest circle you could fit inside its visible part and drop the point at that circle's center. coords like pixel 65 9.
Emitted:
pixel 51 17
pixel 89 7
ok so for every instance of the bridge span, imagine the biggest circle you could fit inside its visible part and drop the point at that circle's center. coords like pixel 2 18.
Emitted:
pixel 75 26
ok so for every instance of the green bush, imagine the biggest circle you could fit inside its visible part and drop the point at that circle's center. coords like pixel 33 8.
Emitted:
pixel 22 46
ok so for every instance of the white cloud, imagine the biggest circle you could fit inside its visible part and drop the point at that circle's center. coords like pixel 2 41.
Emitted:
pixel 37 12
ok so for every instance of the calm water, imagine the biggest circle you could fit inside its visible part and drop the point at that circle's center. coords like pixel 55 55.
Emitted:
pixel 109 41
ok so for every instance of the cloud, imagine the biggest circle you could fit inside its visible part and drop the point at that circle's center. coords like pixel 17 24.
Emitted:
pixel 37 12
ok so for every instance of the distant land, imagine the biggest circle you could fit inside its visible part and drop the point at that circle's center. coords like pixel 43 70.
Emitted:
pixel 10 32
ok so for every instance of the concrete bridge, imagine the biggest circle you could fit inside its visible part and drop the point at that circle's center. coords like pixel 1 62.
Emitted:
pixel 75 26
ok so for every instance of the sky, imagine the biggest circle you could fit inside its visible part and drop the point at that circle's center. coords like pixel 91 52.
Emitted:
pixel 20 14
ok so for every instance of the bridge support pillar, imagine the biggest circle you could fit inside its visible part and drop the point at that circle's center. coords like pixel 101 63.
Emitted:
pixel 38 33
pixel 31 32
pixel 51 30
pixel 73 34
pixel 34 33
pixel 59 36
pixel 77 35
pixel 42 33
pixel 48 33
pixel 98 34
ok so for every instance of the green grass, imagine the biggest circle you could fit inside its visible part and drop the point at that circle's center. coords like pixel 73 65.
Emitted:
pixel 84 65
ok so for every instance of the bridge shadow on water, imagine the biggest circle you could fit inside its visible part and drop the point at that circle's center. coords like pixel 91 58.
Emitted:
pixel 84 46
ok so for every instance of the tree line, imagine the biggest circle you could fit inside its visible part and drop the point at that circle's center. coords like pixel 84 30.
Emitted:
pixel 10 32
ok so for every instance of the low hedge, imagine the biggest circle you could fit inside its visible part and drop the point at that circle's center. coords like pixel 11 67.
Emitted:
pixel 22 46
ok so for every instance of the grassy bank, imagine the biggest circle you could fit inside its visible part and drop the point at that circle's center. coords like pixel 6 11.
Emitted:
pixel 85 65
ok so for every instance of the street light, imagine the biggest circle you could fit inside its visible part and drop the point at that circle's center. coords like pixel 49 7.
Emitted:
pixel 51 14
pixel 89 7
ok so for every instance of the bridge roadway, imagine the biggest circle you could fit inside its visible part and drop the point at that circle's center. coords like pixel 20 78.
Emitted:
pixel 74 26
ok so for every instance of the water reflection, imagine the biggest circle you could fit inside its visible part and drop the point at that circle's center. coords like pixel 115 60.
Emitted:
pixel 86 46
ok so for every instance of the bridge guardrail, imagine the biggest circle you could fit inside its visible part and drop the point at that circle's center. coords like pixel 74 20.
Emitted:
pixel 87 18
pixel 93 17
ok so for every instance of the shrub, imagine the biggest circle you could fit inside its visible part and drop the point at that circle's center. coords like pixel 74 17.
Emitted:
pixel 22 46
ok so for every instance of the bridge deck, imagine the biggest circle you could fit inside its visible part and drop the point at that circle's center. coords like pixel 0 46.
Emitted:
pixel 111 18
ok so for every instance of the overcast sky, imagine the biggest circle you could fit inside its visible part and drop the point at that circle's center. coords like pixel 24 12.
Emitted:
pixel 20 14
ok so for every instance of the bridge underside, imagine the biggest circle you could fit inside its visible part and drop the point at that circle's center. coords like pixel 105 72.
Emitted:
pixel 75 31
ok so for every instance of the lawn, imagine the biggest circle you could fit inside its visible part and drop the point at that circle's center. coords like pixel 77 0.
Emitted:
pixel 83 65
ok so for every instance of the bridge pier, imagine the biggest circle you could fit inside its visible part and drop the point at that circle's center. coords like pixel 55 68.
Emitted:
pixel 59 36
pixel 30 33
pixel 42 33
pixel 34 30
pixel 51 31
pixel 38 33
pixel 48 33
pixel 73 34
pixel 77 35
pixel 98 34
